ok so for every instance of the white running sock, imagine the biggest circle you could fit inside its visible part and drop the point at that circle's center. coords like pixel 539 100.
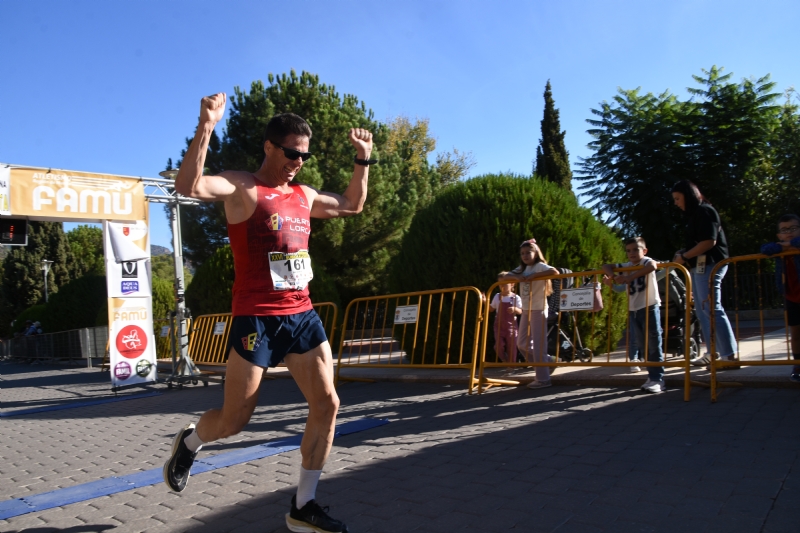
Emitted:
pixel 307 487
pixel 193 442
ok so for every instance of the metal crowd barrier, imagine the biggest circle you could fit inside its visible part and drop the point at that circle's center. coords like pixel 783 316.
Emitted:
pixel 73 345
pixel 208 338
pixel 575 349
pixel 771 349
pixel 436 329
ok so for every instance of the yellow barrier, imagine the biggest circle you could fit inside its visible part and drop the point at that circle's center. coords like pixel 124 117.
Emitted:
pixel 769 356
pixel 581 356
pixel 436 329
pixel 328 312
pixel 208 339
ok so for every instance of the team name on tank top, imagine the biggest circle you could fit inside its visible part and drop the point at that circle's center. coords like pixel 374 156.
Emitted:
pixel 281 223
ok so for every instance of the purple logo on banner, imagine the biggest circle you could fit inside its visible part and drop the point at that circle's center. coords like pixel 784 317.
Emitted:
pixel 129 287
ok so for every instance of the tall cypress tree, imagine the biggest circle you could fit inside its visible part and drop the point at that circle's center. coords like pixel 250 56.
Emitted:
pixel 552 158
pixel 23 279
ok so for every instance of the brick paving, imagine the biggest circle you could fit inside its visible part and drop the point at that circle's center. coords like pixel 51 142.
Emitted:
pixel 568 458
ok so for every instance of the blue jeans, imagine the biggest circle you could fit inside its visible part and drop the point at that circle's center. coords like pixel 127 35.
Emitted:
pixel 654 351
pixel 725 341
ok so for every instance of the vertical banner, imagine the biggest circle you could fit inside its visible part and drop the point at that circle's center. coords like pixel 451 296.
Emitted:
pixel 131 341
pixel 132 346
pixel 5 191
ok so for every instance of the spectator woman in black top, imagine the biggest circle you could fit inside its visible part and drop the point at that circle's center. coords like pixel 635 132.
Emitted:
pixel 706 245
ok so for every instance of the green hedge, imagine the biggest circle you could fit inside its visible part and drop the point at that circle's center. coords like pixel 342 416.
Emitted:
pixel 210 290
pixel 33 313
pixel 473 230
pixel 76 305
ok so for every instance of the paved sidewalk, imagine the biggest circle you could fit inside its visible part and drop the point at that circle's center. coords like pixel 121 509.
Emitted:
pixel 568 458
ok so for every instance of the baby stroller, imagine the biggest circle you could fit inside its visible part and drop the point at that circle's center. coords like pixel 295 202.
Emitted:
pixel 557 338
pixel 675 329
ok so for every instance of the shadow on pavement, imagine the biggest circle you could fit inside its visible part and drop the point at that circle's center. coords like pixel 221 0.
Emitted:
pixel 559 460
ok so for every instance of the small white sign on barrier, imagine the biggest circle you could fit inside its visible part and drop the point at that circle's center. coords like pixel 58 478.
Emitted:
pixel 577 299
pixel 219 328
pixel 164 331
pixel 406 314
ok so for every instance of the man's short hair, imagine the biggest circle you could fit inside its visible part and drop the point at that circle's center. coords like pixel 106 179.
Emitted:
pixel 281 126
pixel 636 240
pixel 788 218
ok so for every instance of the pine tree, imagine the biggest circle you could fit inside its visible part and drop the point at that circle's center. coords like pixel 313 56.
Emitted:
pixel 552 158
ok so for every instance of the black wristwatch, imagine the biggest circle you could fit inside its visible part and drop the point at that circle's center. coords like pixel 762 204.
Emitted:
pixel 685 259
pixel 365 162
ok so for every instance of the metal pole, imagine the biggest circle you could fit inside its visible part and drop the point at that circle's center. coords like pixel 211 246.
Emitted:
pixel 46 268
pixel 177 258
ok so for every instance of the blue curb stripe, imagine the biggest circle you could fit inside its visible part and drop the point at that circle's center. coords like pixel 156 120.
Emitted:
pixel 112 485
pixel 77 404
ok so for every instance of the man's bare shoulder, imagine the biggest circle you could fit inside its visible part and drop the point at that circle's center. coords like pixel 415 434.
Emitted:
pixel 309 191
pixel 240 178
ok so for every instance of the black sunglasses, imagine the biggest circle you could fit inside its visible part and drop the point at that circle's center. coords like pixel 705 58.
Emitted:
pixel 293 154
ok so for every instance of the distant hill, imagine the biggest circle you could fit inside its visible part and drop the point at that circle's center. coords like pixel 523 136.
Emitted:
pixel 159 250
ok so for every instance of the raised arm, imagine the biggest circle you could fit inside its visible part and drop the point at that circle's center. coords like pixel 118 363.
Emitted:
pixel 351 202
pixel 190 180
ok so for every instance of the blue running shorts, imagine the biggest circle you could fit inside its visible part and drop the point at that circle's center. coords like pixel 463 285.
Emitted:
pixel 266 340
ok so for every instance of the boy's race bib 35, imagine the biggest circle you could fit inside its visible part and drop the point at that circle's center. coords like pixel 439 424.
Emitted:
pixel 290 271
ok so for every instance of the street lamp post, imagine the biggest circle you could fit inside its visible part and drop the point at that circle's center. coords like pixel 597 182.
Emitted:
pixel 46 268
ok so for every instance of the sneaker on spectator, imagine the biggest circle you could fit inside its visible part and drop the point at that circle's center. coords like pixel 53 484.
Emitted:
pixel 722 368
pixel 646 383
pixel 655 387
pixel 795 377
pixel 701 360
pixel 312 519
pixel 539 384
pixel 635 368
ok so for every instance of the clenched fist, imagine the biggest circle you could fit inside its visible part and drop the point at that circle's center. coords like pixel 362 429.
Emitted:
pixel 212 108
pixel 361 139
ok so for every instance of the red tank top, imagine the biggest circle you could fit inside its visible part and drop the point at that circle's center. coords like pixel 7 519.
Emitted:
pixel 280 223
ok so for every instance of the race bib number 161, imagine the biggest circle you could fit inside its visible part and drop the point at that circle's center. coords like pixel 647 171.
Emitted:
pixel 290 271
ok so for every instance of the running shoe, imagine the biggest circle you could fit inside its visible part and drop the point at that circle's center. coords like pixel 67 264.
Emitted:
pixel 312 519
pixel 176 469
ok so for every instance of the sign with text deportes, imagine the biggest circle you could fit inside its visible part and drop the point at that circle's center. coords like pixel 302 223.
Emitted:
pixel 577 299
pixel 406 314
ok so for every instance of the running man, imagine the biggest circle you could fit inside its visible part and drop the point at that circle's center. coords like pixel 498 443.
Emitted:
pixel 268 218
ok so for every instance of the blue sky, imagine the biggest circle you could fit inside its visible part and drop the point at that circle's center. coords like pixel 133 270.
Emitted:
pixel 114 87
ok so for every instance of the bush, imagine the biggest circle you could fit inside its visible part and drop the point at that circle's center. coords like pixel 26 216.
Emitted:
pixel 210 290
pixel 76 305
pixel 472 231
pixel 163 298
pixel 33 313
